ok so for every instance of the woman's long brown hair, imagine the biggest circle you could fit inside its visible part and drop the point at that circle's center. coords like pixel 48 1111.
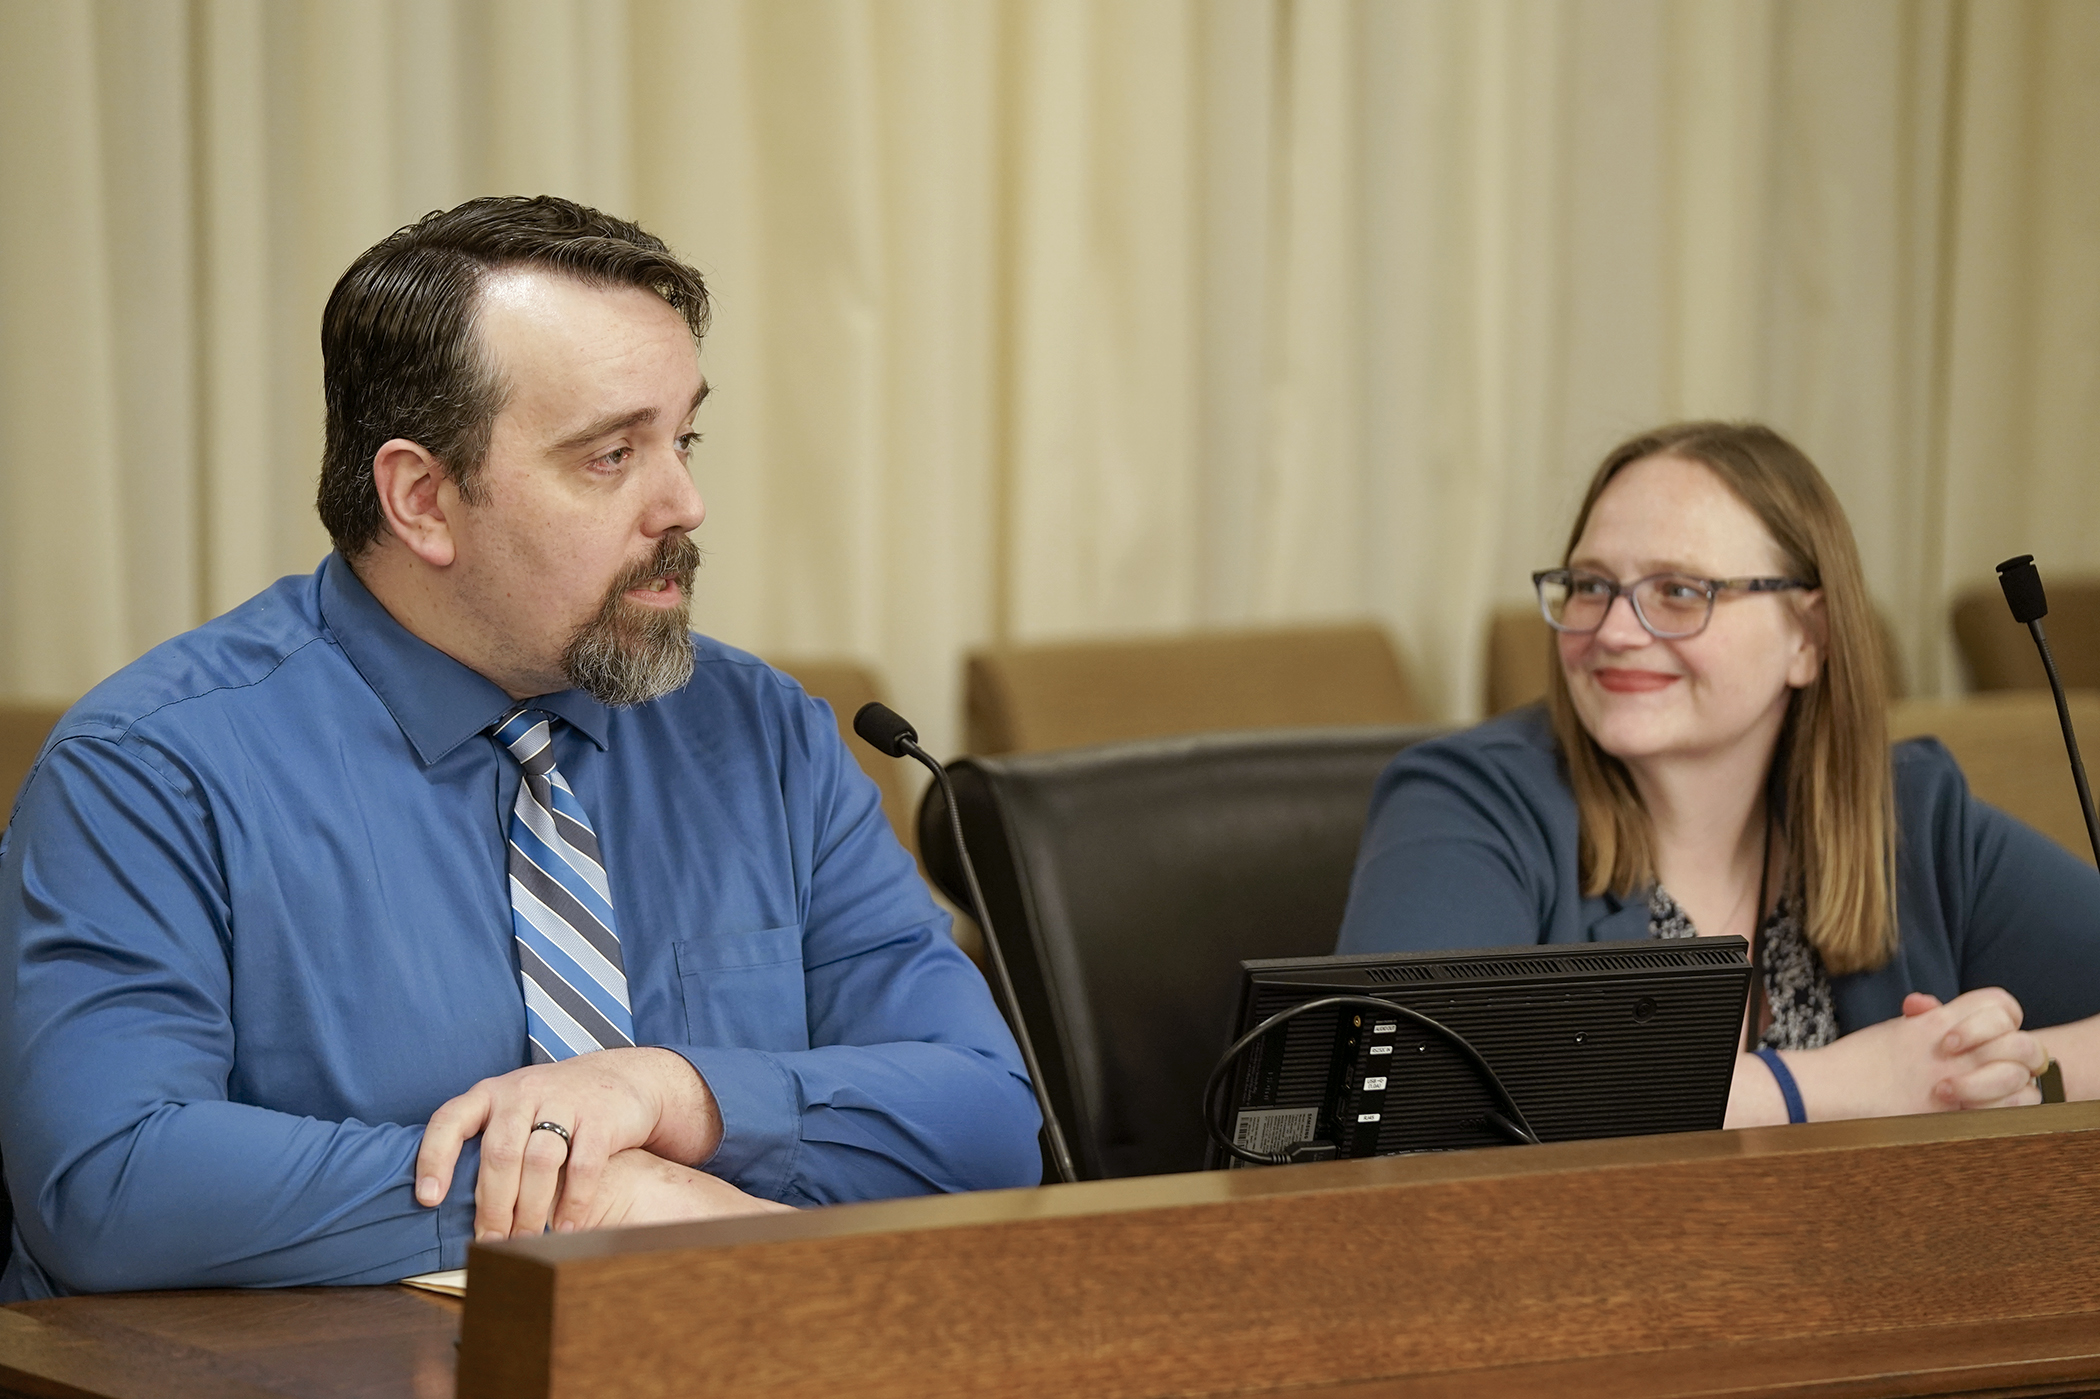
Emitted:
pixel 1831 769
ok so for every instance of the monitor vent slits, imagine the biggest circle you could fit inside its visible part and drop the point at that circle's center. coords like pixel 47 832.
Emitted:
pixel 1401 971
pixel 1661 959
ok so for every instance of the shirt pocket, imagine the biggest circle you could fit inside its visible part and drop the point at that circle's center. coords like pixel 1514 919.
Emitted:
pixel 745 990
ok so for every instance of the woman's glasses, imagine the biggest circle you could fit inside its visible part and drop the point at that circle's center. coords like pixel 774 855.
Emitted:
pixel 1672 606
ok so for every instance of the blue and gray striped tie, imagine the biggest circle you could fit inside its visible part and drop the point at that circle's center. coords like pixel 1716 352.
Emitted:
pixel 561 908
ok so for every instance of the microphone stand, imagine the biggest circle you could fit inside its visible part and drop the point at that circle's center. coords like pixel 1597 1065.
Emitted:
pixel 2022 583
pixel 887 732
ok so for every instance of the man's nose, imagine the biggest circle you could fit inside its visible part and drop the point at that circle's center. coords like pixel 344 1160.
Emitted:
pixel 679 505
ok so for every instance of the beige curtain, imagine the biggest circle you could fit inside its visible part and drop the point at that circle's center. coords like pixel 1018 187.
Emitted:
pixel 1059 317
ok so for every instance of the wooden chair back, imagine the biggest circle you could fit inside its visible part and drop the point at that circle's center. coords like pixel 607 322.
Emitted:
pixel 23 728
pixel 2000 653
pixel 846 686
pixel 2011 748
pixel 1072 694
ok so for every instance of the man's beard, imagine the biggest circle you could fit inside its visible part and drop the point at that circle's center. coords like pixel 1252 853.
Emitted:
pixel 629 653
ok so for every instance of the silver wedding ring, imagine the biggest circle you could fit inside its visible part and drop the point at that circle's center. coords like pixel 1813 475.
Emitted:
pixel 555 1127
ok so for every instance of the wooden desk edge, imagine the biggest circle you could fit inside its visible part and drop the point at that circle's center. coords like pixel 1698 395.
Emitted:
pixel 49 1359
pixel 52 1360
pixel 229 1343
pixel 1075 1244
pixel 1144 1193
pixel 2038 1355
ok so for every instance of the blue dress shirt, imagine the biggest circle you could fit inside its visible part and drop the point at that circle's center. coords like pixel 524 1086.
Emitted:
pixel 255 928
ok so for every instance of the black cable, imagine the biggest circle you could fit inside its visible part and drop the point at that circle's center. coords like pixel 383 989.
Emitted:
pixel 1510 1121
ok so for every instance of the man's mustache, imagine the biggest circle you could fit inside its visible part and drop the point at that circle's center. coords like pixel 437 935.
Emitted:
pixel 677 558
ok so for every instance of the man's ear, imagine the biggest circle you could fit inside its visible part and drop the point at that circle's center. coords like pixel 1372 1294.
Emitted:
pixel 1814 643
pixel 408 478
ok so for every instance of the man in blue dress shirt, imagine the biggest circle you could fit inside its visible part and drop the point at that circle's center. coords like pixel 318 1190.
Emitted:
pixel 264 1020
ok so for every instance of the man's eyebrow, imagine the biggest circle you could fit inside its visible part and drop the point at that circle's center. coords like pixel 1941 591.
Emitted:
pixel 605 427
pixel 619 422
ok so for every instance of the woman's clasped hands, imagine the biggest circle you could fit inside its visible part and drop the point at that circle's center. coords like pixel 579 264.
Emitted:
pixel 1936 1056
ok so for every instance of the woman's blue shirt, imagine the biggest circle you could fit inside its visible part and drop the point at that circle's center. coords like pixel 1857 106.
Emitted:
pixel 1472 843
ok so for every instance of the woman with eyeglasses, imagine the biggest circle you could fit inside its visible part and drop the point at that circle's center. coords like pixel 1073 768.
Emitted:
pixel 1713 758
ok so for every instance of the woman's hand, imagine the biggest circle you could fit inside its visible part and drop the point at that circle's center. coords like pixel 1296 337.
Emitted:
pixel 1969 1052
pixel 1973 1091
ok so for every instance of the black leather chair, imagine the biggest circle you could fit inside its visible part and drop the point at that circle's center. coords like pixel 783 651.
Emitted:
pixel 1128 881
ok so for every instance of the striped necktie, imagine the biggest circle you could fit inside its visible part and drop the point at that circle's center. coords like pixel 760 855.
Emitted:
pixel 561 908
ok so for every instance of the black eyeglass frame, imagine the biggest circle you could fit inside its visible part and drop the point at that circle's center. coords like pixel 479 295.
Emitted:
pixel 1714 588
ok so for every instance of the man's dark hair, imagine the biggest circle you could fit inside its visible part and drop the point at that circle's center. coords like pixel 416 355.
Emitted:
pixel 400 353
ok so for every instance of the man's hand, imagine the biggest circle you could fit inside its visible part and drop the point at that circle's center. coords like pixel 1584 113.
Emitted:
pixel 639 1188
pixel 609 1101
pixel 1969 1052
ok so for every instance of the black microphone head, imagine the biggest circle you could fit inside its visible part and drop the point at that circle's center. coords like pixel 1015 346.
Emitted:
pixel 2022 582
pixel 884 729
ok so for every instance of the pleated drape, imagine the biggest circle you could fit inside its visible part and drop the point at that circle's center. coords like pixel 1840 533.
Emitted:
pixel 1047 318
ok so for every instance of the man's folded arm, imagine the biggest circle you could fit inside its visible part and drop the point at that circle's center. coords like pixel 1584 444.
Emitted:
pixel 219 1194
pixel 863 1122
pixel 127 1164
pixel 914 1084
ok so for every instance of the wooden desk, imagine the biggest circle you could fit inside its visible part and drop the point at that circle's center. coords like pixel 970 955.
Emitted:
pixel 367 1342
pixel 1909 1256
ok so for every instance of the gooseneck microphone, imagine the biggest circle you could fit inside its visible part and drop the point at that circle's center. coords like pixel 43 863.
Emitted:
pixel 888 733
pixel 2023 593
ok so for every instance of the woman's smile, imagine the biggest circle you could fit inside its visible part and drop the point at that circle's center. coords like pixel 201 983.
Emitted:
pixel 1623 680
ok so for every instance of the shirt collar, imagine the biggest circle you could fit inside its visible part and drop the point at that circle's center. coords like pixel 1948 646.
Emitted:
pixel 438 702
